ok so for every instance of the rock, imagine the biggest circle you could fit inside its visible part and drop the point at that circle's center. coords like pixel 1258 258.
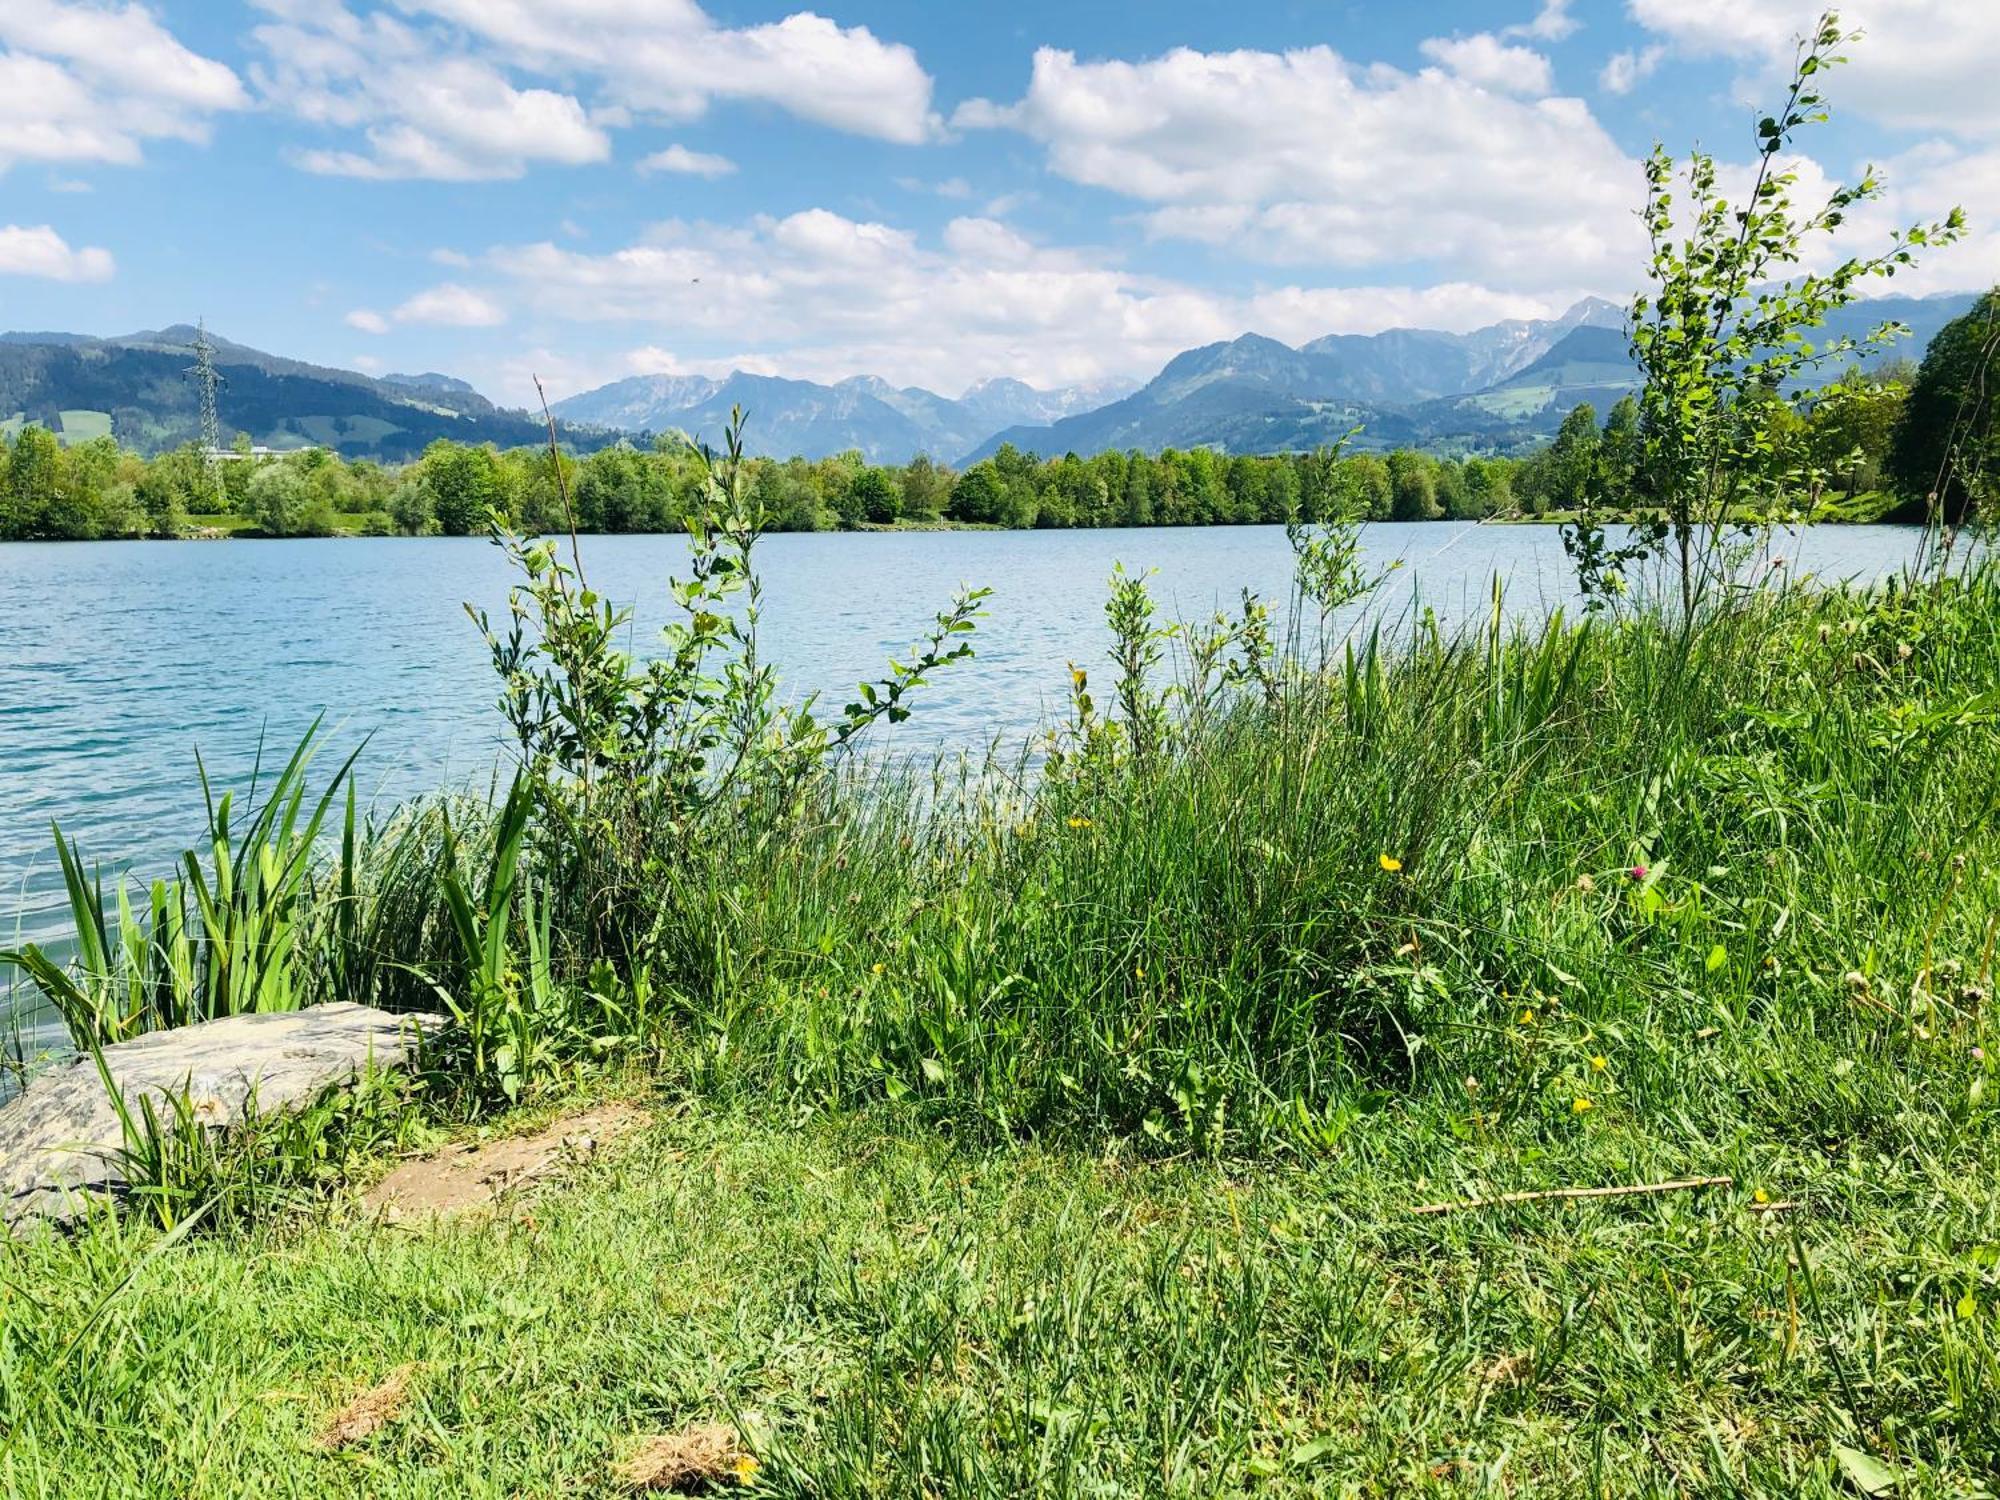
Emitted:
pixel 61 1139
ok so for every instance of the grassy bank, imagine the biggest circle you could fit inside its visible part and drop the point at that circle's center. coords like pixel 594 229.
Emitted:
pixel 1064 1135
pixel 883 1312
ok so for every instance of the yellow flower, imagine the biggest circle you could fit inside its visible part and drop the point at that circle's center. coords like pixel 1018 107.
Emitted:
pixel 1598 1064
pixel 1582 1107
pixel 1139 971
pixel 1079 822
pixel 1527 1018
pixel 878 968
pixel 746 1469
pixel 1761 1196
pixel 1078 677
pixel 1389 862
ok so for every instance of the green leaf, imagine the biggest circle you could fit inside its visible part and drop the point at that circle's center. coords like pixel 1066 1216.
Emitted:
pixel 1717 957
pixel 1313 1452
pixel 1864 1471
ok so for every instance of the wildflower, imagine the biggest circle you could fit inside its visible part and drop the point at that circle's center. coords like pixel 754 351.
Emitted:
pixel 1903 650
pixel 1078 677
pixel 1582 1107
pixel 1471 1084
pixel 1389 862
pixel 1761 1196
pixel 746 1469
pixel 1599 1063
pixel 1527 1018
pixel 1079 822
pixel 1638 871
pixel 1585 884
pixel 1856 980
pixel 1139 971
pixel 1979 1054
pixel 878 968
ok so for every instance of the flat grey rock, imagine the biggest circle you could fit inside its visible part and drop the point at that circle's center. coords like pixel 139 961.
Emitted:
pixel 60 1139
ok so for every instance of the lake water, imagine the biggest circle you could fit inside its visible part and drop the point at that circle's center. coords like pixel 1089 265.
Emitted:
pixel 118 660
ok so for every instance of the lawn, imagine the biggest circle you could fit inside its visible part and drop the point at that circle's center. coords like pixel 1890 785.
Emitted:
pixel 878 1312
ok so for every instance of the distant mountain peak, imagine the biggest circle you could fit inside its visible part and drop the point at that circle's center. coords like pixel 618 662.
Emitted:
pixel 430 380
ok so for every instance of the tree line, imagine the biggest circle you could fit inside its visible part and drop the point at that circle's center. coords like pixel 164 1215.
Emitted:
pixel 1868 432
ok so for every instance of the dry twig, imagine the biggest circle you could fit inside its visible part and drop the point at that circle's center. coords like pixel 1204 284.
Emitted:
pixel 1627 1190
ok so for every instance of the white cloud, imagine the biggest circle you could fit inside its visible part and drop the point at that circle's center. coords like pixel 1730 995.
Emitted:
pixel 423 112
pixel 40 251
pixel 1920 64
pixel 449 305
pixel 1624 71
pixel 473 89
pixel 1924 66
pixel 669 58
pixel 448 257
pixel 1304 157
pixel 822 296
pixel 1486 60
pixel 678 158
pixel 1552 23
pixel 93 82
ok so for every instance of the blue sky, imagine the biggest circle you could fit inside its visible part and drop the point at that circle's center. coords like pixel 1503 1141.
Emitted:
pixel 936 193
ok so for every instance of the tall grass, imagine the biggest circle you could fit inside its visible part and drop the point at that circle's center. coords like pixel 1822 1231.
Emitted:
pixel 1225 919
pixel 1427 863
pixel 269 913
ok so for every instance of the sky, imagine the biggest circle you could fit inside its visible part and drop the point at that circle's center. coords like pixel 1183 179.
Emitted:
pixel 934 191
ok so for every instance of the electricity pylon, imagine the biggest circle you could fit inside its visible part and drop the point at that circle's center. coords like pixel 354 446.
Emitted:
pixel 206 379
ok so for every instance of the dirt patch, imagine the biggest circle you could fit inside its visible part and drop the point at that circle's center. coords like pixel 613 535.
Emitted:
pixel 368 1412
pixel 461 1179
pixel 689 1462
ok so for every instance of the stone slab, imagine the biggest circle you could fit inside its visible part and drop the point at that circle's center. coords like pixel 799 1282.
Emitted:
pixel 60 1139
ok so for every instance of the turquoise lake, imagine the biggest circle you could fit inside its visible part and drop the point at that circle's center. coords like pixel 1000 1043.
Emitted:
pixel 119 659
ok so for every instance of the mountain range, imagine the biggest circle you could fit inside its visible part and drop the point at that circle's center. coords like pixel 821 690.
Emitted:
pixel 137 388
pixel 1497 389
pixel 1502 388
pixel 888 424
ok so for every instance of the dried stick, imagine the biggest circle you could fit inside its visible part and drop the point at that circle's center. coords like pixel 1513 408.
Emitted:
pixel 1624 1191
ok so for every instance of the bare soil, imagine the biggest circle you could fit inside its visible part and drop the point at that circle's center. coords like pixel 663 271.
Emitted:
pixel 468 1177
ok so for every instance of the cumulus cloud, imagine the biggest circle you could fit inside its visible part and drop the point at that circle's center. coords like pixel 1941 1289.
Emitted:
pixel 40 251
pixel 472 89
pixel 1552 23
pixel 93 82
pixel 447 305
pixel 1624 71
pixel 1921 64
pixel 450 305
pixel 678 158
pixel 1924 66
pixel 819 295
pixel 669 58
pixel 423 112
pixel 1304 157
pixel 1486 60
